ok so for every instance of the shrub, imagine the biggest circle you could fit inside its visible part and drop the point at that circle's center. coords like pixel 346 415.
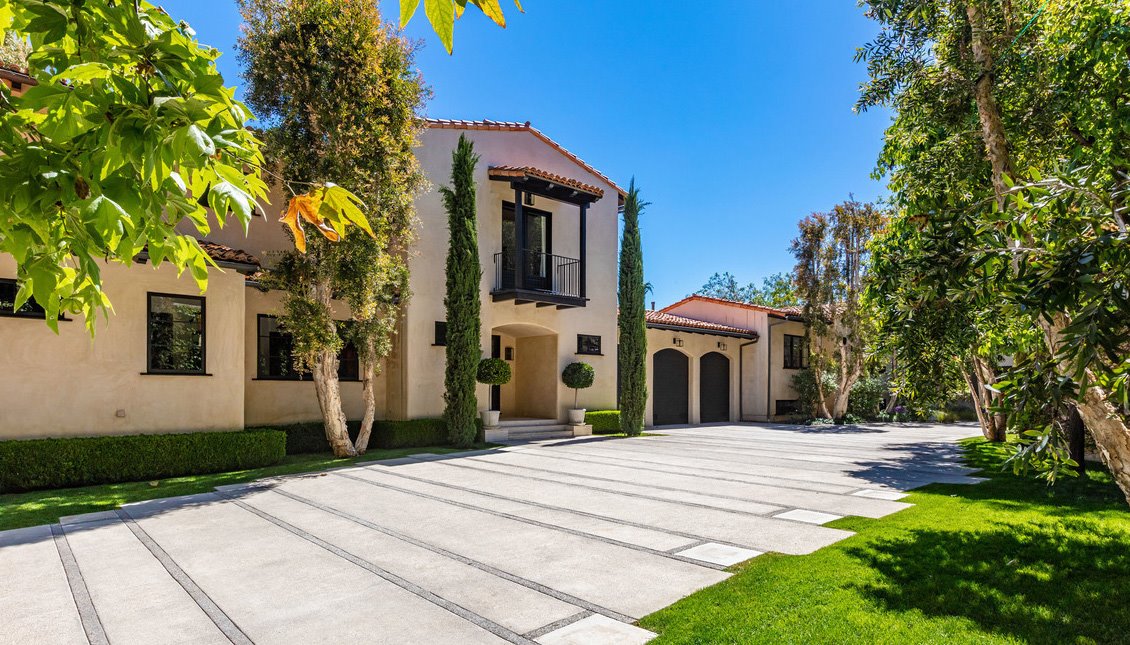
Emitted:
pixel 85 461
pixel 804 382
pixel 310 437
pixel 578 376
pixel 603 421
pixel 867 396
pixel 494 371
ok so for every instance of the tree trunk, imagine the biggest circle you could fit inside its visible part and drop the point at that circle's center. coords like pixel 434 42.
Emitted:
pixel 980 374
pixel 327 386
pixel 1111 435
pixel 1076 438
pixel 992 127
pixel 369 374
pixel 821 400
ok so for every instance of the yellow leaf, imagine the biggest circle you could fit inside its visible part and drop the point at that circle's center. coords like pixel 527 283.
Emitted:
pixel 291 220
pixel 492 10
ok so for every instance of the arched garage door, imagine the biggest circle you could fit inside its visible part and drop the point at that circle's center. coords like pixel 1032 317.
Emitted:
pixel 713 388
pixel 670 403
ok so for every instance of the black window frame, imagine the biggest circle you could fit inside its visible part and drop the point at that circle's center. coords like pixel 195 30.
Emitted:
pixel 795 356
pixel 790 408
pixel 344 374
pixel 588 351
pixel 203 371
pixel 440 337
pixel 30 309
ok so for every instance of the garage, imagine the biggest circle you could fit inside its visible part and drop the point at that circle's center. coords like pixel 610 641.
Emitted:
pixel 714 388
pixel 671 383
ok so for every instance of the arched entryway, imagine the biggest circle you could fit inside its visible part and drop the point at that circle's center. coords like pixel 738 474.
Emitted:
pixel 531 351
pixel 670 384
pixel 713 388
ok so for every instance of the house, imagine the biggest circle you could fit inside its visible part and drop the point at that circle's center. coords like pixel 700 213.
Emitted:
pixel 170 359
pixel 713 360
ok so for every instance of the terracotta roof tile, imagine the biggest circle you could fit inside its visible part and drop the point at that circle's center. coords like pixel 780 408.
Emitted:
pixel 779 311
pixel 671 320
pixel 528 171
pixel 222 253
pixel 514 126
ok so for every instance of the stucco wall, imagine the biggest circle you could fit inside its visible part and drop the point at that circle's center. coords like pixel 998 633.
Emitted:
pixel 71 385
pixel 426 362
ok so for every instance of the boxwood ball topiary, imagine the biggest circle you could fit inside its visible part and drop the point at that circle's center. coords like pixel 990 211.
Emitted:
pixel 494 371
pixel 578 375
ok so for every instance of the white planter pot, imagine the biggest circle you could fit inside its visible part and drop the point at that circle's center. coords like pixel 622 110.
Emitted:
pixel 490 418
pixel 577 417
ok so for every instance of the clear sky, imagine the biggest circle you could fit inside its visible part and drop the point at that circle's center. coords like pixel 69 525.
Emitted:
pixel 734 118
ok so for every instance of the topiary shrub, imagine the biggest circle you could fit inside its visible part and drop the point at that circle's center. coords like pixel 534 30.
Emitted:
pixel 603 421
pixel 494 371
pixel 86 461
pixel 310 437
pixel 578 376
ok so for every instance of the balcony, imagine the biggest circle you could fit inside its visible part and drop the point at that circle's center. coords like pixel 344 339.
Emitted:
pixel 541 278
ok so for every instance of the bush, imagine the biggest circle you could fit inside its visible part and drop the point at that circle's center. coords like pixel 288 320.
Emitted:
pixel 578 375
pixel 493 371
pixel 603 421
pixel 867 397
pixel 804 382
pixel 85 461
pixel 307 438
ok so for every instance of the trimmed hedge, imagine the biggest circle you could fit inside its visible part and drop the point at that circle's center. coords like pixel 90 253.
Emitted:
pixel 305 438
pixel 603 421
pixel 84 461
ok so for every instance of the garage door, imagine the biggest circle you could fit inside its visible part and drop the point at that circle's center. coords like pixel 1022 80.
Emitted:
pixel 669 390
pixel 714 388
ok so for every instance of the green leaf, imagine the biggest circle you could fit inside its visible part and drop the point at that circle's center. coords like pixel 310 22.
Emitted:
pixel 82 72
pixel 441 13
pixel 344 203
pixel 199 138
pixel 407 10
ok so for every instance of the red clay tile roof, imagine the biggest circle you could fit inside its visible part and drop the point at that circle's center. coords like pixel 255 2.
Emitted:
pixel 671 320
pixel 221 253
pixel 528 171
pixel 514 126
pixel 778 311
pixel 16 75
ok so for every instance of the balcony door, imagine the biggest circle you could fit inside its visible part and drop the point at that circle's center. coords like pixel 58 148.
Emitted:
pixel 539 245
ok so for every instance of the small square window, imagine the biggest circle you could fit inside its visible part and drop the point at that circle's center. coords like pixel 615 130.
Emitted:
pixel 787 408
pixel 441 333
pixel 30 309
pixel 588 344
pixel 508 353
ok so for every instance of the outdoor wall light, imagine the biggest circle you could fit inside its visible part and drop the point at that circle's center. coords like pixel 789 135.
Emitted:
pixel 721 346
pixel 678 342
pixel 529 199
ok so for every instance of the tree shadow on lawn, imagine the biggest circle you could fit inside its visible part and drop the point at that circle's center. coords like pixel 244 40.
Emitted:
pixel 1041 582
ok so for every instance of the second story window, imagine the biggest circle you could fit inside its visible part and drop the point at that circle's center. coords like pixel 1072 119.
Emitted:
pixel 175 334
pixel 795 358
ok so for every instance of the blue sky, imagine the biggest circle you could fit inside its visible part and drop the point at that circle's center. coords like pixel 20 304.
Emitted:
pixel 735 118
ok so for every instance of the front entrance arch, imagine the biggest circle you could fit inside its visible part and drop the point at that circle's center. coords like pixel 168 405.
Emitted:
pixel 714 388
pixel 531 351
pixel 670 385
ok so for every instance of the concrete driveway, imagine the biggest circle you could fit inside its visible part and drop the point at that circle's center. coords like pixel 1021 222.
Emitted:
pixel 565 542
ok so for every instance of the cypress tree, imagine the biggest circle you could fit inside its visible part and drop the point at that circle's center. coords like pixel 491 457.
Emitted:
pixel 631 352
pixel 462 300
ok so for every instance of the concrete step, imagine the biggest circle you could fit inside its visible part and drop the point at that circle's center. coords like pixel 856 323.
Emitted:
pixel 528 423
pixel 539 432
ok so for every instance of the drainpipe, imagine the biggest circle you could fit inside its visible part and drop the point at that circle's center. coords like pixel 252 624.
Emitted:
pixel 741 380
pixel 769 372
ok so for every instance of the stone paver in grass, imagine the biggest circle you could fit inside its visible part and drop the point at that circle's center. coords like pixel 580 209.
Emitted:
pixel 555 542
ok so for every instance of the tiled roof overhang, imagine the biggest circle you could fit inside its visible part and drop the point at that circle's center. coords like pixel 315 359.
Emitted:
pixel 671 322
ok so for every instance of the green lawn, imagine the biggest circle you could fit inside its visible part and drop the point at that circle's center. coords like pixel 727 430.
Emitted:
pixel 47 506
pixel 1006 561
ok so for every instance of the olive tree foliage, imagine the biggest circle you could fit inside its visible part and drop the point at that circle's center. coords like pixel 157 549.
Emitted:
pixel 631 348
pixel 776 290
pixel 464 326
pixel 338 93
pixel 1009 151
pixel 831 253
pixel 442 14
pixel 128 132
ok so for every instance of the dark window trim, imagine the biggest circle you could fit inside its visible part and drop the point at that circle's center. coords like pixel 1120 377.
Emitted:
pixel 530 211
pixel 440 340
pixel 33 315
pixel 599 344
pixel 149 340
pixel 299 378
pixel 788 355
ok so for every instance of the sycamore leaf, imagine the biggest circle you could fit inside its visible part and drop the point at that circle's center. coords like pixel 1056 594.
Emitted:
pixel 291 220
pixel 407 9
pixel 82 72
pixel 518 3
pixel 492 10
pixel 201 140
pixel 441 13
pixel 346 204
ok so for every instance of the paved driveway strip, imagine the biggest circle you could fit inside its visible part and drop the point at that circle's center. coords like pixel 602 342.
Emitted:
pixel 555 542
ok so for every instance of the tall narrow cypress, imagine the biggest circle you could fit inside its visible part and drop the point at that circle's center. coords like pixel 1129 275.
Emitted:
pixel 462 300
pixel 631 352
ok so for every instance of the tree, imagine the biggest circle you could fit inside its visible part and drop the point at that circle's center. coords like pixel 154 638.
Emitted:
pixel 776 290
pixel 340 95
pixel 462 300
pixel 631 350
pixel 128 132
pixel 442 14
pixel 831 253
pixel 990 97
